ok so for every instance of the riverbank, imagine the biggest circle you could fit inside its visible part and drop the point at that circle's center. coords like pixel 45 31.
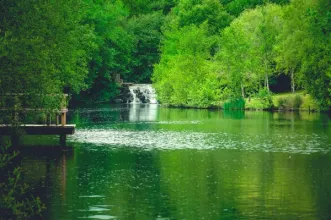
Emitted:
pixel 276 102
pixel 285 102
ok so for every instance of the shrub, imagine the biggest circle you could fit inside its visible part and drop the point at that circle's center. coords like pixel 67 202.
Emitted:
pixel 297 101
pixel 238 104
pixel 15 203
pixel 282 102
pixel 290 101
pixel 266 98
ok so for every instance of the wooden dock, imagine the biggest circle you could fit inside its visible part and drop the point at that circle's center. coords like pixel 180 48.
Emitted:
pixel 61 127
pixel 37 129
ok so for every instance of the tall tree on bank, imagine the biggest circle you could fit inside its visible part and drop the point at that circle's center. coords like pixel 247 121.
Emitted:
pixel 235 57
pixel 185 75
pixel 44 49
pixel 268 30
pixel 146 17
pixel 287 48
pixel 112 52
pixel 246 50
pixel 146 34
pixel 305 46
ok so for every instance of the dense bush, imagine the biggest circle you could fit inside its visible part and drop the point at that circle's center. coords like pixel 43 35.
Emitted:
pixel 15 202
pixel 266 98
pixel 282 102
pixel 297 101
pixel 238 104
pixel 290 102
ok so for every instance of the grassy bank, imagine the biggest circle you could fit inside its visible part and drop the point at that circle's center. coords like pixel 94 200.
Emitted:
pixel 284 101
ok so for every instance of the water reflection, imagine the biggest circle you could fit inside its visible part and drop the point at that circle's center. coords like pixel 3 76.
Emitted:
pixel 142 112
pixel 185 184
pixel 277 166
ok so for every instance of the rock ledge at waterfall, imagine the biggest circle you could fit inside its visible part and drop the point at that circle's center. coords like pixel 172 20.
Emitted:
pixel 137 94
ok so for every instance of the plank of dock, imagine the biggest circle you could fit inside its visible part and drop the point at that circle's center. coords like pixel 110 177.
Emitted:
pixel 37 129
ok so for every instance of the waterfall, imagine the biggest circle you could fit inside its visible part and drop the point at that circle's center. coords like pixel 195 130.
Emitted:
pixel 143 93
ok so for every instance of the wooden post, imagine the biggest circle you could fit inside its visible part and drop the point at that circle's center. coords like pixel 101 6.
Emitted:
pixel 57 118
pixel 48 119
pixel 63 140
pixel 63 118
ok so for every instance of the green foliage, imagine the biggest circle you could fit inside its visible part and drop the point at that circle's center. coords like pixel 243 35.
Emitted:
pixel 207 50
pixel 290 102
pixel 44 49
pixel 236 7
pixel 282 102
pixel 246 48
pixel 185 75
pixel 189 12
pixel 297 101
pixel 146 32
pixel 235 104
pixel 112 50
pixel 15 202
pixel 128 35
pixel 305 45
pixel 140 7
pixel 266 98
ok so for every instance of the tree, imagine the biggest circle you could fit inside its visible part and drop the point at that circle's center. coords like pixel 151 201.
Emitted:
pixel 189 12
pixel 305 45
pixel 141 7
pixel 44 49
pixel 146 32
pixel 236 7
pixel 235 57
pixel 246 51
pixel 185 75
pixel 287 56
pixel 112 49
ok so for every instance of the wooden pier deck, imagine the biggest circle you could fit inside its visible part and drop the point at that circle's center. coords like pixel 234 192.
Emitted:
pixel 38 129
pixel 61 127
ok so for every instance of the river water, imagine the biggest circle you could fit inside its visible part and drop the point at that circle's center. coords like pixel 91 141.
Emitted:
pixel 148 162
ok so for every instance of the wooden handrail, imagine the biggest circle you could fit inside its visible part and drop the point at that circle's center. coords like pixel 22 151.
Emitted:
pixel 21 94
pixel 61 111
pixel 36 109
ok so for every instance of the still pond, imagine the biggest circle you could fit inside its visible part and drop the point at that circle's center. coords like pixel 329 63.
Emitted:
pixel 149 162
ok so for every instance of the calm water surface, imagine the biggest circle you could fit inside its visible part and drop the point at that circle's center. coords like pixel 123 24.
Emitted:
pixel 147 162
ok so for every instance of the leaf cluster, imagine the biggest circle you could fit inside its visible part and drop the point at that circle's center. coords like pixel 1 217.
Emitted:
pixel 15 201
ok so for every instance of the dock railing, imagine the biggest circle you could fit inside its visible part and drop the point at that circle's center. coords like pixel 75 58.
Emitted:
pixel 59 109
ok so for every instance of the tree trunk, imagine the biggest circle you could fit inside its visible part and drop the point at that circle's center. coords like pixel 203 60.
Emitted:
pixel 242 90
pixel 292 81
pixel 266 83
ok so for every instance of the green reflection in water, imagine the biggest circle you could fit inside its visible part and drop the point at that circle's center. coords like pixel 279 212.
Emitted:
pixel 185 180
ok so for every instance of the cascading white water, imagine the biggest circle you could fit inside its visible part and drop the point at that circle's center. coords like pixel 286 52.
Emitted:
pixel 143 93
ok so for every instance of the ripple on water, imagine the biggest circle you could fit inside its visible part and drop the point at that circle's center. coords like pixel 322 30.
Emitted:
pixel 99 217
pixel 167 122
pixel 292 143
pixel 92 196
